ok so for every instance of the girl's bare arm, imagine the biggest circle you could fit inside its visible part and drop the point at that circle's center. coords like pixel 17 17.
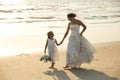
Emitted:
pixel 46 46
pixel 56 42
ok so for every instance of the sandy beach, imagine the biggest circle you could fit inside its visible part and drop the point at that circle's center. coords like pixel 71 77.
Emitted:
pixel 105 66
pixel 23 34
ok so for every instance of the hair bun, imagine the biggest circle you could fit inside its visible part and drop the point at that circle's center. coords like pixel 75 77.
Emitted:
pixel 71 15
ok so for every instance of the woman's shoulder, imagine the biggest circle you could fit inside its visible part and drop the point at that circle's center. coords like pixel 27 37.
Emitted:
pixel 69 22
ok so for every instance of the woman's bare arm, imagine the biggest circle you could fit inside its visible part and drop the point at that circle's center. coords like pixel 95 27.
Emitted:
pixel 84 27
pixel 66 33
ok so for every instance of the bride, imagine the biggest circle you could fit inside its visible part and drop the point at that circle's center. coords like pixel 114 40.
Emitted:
pixel 79 49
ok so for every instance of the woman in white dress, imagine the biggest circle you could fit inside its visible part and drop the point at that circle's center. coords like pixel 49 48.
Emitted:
pixel 79 50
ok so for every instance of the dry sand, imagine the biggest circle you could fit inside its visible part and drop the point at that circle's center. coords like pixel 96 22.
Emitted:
pixel 105 66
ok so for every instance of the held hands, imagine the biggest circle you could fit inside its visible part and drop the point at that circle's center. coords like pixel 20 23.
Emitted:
pixel 60 42
pixel 81 34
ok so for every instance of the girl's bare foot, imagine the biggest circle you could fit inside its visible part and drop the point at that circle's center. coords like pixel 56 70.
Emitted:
pixel 51 68
pixel 73 67
pixel 66 67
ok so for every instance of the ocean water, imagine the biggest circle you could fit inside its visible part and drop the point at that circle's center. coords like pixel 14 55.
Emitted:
pixel 30 11
pixel 25 23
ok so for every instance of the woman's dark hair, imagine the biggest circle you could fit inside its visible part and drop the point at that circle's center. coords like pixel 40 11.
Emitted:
pixel 72 15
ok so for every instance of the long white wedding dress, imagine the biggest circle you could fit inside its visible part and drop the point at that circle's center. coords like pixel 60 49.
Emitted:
pixel 79 49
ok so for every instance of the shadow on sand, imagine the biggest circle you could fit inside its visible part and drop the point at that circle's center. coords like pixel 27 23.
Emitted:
pixel 60 74
pixel 85 74
pixel 82 74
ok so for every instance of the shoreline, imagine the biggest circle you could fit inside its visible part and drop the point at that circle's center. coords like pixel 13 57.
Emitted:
pixel 61 48
pixel 105 66
pixel 27 37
